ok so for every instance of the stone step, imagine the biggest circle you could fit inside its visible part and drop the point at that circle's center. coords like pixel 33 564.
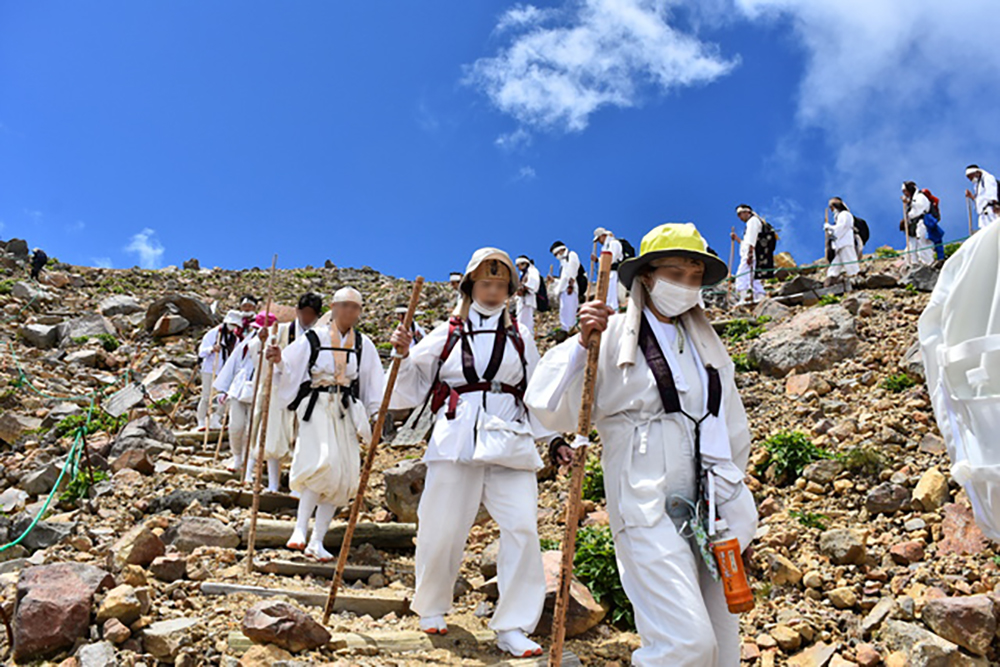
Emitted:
pixel 273 533
pixel 374 605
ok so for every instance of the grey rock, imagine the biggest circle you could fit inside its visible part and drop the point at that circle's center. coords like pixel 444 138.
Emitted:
pixel 90 325
pixel 488 559
pixel 913 362
pixel 177 501
pixel 42 336
pixel 18 248
pixel 45 533
pixel 164 639
pixel 823 471
pixel 192 265
pixel 881 281
pixel 923 648
pixel 922 277
pixel 144 433
pixel 26 291
pixel 41 480
pixel 966 621
pixel 119 304
pixel 843 546
pixel 101 654
pixel 281 624
pixel 192 532
pixel 811 341
pixel 189 306
pixel 886 498
pixel 170 325
pixel 404 485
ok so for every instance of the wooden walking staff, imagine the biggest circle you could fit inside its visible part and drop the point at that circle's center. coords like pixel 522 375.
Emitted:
pixel 222 431
pixel 969 202
pixel 265 409
pixel 574 503
pixel 906 230
pixel 211 395
pixel 253 426
pixel 732 278
pixel 184 390
pixel 366 470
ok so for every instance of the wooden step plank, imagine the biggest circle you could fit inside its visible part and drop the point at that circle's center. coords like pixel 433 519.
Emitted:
pixel 272 533
pixel 190 438
pixel 199 472
pixel 375 606
pixel 287 568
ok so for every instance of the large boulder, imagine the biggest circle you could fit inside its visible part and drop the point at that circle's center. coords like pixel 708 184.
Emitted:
pixel 29 292
pixel 53 606
pixel 923 648
pixel 192 532
pixel 144 433
pixel 967 621
pixel 404 484
pixel 192 265
pixel 583 612
pixel 89 325
pixel 119 304
pixel 279 623
pixel 18 248
pixel 42 336
pixel 843 546
pixel 189 306
pixel 922 277
pixel 811 341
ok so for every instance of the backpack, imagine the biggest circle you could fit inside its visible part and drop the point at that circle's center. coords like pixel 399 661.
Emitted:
pixel 763 251
pixel 935 233
pixel 581 282
pixel 628 252
pixel 542 298
pixel 861 229
pixel 935 203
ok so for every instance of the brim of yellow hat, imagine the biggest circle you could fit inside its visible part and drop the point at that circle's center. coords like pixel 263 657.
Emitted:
pixel 715 269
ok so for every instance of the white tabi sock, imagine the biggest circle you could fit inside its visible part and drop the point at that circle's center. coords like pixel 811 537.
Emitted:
pixel 307 503
pixel 273 474
pixel 517 644
pixel 324 515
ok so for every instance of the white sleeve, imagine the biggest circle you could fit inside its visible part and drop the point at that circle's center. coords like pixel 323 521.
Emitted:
pixel 753 231
pixel 532 280
pixel 418 369
pixel 574 265
pixel 292 371
pixel 987 192
pixel 919 206
pixel 208 342
pixel 371 376
pixel 224 377
pixel 555 390
pixel 736 424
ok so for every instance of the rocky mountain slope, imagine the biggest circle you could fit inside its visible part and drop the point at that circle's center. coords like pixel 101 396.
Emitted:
pixel 867 553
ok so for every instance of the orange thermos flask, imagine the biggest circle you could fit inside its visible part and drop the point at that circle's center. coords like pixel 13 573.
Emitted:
pixel 739 597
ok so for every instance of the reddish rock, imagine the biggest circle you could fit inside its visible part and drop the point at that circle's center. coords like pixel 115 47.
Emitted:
pixel 116 632
pixel 139 546
pixel 771 505
pixel 866 656
pixel 169 568
pixel 904 553
pixel 959 533
pixel 281 624
pixel 53 607
pixel 136 459
pixel 584 612
pixel 967 621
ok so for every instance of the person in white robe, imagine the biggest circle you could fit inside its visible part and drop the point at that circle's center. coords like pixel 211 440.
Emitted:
pixel 235 384
pixel 455 278
pixel 612 245
pixel 526 301
pixel 985 192
pixel 650 453
pixel 917 206
pixel 482 451
pixel 749 287
pixel 845 246
pixel 567 286
pixel 216 346
pixel 418 331
pixel 280 421
pixel 334 400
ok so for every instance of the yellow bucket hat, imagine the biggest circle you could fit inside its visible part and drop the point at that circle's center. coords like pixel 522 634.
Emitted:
pixel 674 240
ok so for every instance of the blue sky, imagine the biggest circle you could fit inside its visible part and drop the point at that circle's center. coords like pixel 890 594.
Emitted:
pixel 403 135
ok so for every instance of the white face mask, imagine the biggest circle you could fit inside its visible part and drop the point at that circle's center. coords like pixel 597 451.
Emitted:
pixel 486 311
pixel 672 299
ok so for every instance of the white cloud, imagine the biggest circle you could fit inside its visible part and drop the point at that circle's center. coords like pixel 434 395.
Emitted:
pixel 147 247
pixel 525 173
pixel 102 262
pixel 77 226
pixel 898 91
pixel 562 65
pixel 425 118
pixel 513 141
pixel 33 214
pixel 785 215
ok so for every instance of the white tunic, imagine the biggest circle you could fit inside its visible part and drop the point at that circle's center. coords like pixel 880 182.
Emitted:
pixel 749 241
pixel 233 378
pixel 986 191
pixel 614 246
pixel 532 281
pixel 482 419
pixel 281 421
pixel 842 232
pixel 569 268
pixel 211 362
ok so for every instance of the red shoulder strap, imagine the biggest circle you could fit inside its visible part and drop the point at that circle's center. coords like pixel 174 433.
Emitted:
pixel 454 332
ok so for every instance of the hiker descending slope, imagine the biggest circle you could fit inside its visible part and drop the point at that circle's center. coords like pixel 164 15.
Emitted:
pixel 571 283
pixel 985 192
pixel 482 450
pixel 216 346
pixel 918 205
pixel 843 244
pixel 675 445
pixel 610 244
pixel 333 379
pixel 529 292
pixel 748 284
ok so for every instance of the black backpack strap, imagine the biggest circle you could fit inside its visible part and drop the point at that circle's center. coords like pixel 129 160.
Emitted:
pixel 355 389
pixel 714 391
pixel 657 363
pixel 314 348
pixel 496 356
pixel 291 333
pixel 515 337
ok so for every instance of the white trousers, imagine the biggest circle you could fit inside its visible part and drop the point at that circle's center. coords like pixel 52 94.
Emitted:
pixel 568 304
pixel 845 262
pixel 448 508
pixel 680 611
pixel 526 316
pixel 205 403
pixel 987 218
pixel 239 431
pixel 612 300
pixel 327 456
pixel 745 280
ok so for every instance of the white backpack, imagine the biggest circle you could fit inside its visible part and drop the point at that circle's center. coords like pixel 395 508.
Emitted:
pixel 960 342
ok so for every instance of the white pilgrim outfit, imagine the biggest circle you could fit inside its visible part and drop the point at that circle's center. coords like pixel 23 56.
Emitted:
pixel 485 454
pixel 614 246
pixel 526 304
pixel 921 247
pixel 986 192
pixel 746 280
pixel 649 474
pixel 211 363
pixel 845 260
pixel 326 464
pixel 236 381
pixel 569 302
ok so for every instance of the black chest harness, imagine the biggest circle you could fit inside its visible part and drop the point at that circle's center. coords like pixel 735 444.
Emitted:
pixel 442 393
pixel 347 394
pixel 670 397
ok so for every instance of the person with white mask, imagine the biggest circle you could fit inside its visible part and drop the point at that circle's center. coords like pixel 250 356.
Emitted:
pixel 281 422
pixel 526 301
pixel 216 346
pixel 840 232
pixel 986 191
pixel 917 241
pixel 675 445
pixel 333 379
pixel 568 285
pixel 612 245
pixel 482 451
pixel 748 284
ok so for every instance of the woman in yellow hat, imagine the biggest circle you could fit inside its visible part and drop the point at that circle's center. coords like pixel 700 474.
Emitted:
pixel 673 430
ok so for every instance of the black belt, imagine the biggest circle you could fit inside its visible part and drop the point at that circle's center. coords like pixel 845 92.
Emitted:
pixel 306 389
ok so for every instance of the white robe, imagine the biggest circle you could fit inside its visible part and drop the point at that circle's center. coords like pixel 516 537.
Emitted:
pixel 921 247
pixel 211 364
pixel 569 268
pixel 526 304
pixel 647 457
pixel 614 246
pixel 327 452
pixel 236 379
pixel 457 481
pixel 745 278
pixel 986 191
pixel 280 420
pixel 845 261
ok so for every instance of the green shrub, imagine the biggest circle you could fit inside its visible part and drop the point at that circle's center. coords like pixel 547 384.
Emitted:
pixel 862 460
pixel 742 329
pixel 809 519
pixel 6 286
pixel 898 383
pixel 108 342
pixel 885 252
pixel 549 545
pixel 743 363
pixel 594 564
pixel 593 481
pixel 385 345
pixel 789 452
pixel 829 299
pixel 79 487
pixel 99 422
pixel 951 248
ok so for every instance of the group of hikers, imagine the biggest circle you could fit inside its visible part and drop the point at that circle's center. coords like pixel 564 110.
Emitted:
pixel 675 437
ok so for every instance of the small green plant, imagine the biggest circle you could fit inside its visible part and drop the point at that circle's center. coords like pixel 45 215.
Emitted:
pixel 951 248
pixel 878 297
pixel 593 482
pixel 898 383
pixel 549 545
pixel 829 299
pixel 385 345
pixel 809 519
pixel 911 288
pixel 743 363
pixel 762 591
pixel 79 487
pixel 304 274
pixel 885 252
pixel 98 422
pixel 743 329
pixel 6 286
pixel 108 342
pixel 595 565
pixel 863 460
pixel 168 401
pixel 789 452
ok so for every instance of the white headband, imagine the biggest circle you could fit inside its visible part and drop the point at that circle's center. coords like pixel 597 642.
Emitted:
pixel 744 209
pixel 558 249
pixel 972 170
